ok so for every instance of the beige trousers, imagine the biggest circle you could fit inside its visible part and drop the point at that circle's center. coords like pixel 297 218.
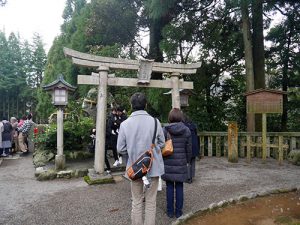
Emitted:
pixel 22 145
pixel 15 140
pixel 137 202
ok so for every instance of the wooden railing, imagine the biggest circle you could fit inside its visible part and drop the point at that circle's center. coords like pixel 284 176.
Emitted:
pixel 279 144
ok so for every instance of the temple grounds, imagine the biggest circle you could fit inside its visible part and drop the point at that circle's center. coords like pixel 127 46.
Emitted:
pixel 24 200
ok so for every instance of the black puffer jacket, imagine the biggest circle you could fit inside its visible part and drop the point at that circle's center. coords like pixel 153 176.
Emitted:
pixel 175 164
pixel 7 132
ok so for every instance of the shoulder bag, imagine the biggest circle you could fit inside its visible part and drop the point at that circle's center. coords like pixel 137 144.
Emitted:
pixel 168 149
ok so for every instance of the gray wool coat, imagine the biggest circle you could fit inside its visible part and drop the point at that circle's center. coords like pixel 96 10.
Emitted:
pixel 135 137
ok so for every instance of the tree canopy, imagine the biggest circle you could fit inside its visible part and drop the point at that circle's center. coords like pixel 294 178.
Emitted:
pixel 225 35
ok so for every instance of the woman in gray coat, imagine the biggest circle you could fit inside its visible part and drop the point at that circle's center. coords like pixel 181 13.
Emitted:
pixel 176 172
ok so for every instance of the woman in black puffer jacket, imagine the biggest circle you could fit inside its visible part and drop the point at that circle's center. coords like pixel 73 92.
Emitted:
pixel 176 164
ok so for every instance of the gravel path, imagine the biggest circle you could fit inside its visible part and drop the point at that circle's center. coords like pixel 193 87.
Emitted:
pixel 26 201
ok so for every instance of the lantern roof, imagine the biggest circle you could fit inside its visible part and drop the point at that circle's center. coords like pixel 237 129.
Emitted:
pixel 59 83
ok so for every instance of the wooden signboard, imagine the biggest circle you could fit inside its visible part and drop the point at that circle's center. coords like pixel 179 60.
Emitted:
pixel 264 101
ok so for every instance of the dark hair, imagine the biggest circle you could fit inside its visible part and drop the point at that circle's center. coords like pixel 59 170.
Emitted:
pixel 120 108
pixel 29 116
pixel 138 101
pixel 4 118
pixel 186 119
pixel 24 117
pixel 175 115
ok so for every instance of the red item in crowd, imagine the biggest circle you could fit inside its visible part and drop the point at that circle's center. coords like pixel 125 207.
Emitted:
pixel 35 131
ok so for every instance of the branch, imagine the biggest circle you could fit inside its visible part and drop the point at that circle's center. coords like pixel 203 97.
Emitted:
pixel 283 13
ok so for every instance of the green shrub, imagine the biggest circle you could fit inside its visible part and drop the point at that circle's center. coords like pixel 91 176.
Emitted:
pixel 77 129
pixel 76 135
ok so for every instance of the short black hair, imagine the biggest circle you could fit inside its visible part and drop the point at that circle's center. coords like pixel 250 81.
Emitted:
pixel 138 101
pixel 120 108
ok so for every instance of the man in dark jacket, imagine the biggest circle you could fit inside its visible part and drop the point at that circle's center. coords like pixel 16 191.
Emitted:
pixel 121 116
pixel 112 129
pixel 195 144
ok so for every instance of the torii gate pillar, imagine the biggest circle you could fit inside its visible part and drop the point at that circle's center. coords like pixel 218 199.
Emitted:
pixel 101 120
pixel 175 90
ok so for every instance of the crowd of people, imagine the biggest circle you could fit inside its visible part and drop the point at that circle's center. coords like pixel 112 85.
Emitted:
pixel 114 120
pixel 135 136
pixel 14 135
pixel 128 138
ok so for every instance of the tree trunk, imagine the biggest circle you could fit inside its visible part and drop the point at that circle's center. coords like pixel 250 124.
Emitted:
pixel 248 59
pixel 285 79
pixel 18 114
pixel 155 53
pixel 258 52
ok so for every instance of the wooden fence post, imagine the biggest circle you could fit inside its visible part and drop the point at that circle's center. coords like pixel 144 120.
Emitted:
pixel 202 146
pixel 259 149
pixel 242 148
pixel 275 150
pixel 264 137
pixel 248 148
pixel 218 146
pixel 225 146
pixel 210 139
pixel 292 143
pixel 280 149
pixel 232 142
pixel 268 147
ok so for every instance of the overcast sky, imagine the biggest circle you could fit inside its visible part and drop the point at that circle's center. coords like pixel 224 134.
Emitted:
pixel 29 16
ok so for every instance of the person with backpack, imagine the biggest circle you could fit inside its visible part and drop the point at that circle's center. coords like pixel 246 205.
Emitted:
pixel 135 137
pixel 176 164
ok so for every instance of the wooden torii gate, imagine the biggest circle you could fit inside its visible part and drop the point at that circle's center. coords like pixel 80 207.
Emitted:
pixel 102 79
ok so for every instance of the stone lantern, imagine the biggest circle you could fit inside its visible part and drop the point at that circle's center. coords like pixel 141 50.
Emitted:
pixel 184 96
pixel 59 90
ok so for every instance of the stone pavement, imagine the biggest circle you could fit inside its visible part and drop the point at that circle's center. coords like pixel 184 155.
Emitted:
pixel 25 201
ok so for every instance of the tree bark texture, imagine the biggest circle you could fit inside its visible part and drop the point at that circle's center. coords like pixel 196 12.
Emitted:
pixel 248 59
pixel 258 44
pixel 285 78
pixel 258 52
